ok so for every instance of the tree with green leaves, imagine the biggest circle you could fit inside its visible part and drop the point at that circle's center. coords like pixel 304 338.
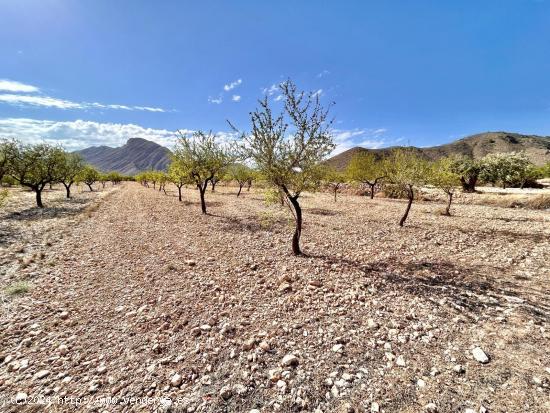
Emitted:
pixel 7 150
pixel 366 169
pixel 35 166
pixel 405 169
pixel 241 174
pixel 334 180
pixel 443 177
pixel 508 169
pixel 468 169
pixel 89 175
pixel 70 166
pixel 179 176
pixel 288 148
pixel 204 157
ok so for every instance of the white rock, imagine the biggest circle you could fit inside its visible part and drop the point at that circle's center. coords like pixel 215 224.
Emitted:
pixel 459 368
pixel 338 348
pixel 400 361
pixel 41 374
pixel 63 349
pixel 374 407
pixel 176 380
pixel 102 369
pixel 191 263
pixel 289 360
pixel 480 355
pixel 421 383
pixel 470 411
pixel 431 407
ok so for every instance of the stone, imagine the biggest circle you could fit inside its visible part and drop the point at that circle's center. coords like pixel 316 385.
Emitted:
pixel 480 355
pixel 421 383
pixel 371 324
pixel 274 374
pixel 102 369
pixel 226 392
pixel 249 344
pixel 459 368
pixel 374 407
pixel 264 345
pixel 400 361
pixel 284 287
pixel 63 349
pixel 316 283
pixel 338 348
pixel 64 315
pixel 190 263
pixel 41 374
pixel 470 411
pixel 289 360
pixel 430 407
pixel 176 380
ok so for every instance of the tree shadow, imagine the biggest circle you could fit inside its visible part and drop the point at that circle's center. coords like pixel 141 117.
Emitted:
pixel 48 212
pixel 467 289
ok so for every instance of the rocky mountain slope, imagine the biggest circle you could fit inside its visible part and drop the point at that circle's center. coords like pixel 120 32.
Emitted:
pixel 537 148
pixel 135 156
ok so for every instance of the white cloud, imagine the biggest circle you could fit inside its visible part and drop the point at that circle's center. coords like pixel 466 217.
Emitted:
pixel 270 91
pixel 236 98
pixel 232 85
pixel 50 102
pixel 278 98
pixel 7 85
pixel 80 134
pixel 216 101
pixel 319 93
pixel 323 73
pixel 367 138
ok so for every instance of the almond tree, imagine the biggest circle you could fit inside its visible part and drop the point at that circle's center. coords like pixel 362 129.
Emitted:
pixel 240 173
pixel 406 170
pixel 287 148
pixel 204 157
pixel 89 175
pixel 334 179
pixel 71 165
pixel 443 177
pixel 178 176
pixel 7 150
pixel 367 170
pixel 35 166
pixel 468 169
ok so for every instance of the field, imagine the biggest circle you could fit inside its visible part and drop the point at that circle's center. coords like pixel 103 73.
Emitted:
pixel 126 292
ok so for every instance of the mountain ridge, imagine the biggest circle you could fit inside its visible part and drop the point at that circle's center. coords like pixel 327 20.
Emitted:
pixel 136 155
pixel 537 148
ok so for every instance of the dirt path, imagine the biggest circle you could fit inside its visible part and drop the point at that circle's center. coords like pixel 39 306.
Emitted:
pixel 148 298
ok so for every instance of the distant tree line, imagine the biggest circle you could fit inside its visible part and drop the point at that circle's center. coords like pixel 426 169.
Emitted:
pixel 36 166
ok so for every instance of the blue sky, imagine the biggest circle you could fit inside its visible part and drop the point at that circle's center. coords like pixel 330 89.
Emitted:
pixel 419 72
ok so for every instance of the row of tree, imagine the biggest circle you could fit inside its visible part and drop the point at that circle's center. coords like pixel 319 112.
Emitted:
pixel 286 150
pixel 36 166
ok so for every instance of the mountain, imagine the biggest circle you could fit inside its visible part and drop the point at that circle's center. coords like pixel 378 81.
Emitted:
pixel 537 148
pixel 135 156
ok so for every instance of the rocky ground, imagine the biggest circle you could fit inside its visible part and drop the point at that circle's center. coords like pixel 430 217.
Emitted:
pixel 139 303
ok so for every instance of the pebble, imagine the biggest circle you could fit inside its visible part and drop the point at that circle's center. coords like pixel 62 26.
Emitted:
pixel 191 263
pixel 289 360
pixel 374 407
pixel 480 355
pixel 176 380
pixel 338 348
pixel 41 374
pixel 400 361
pixel 459 368
pixel 63 349
pixel 431 407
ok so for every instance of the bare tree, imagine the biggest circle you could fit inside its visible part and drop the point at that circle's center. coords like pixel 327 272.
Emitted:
pixel 289 158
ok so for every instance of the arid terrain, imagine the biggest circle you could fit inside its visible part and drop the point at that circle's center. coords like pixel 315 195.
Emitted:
pixel 129 294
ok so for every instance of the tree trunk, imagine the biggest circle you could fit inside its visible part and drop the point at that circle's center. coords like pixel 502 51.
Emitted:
pixel 202 190
pixel 90 186
pixel 298 231
pixel 335 192
pixel 240 189
pixel 179 192
pixel 213 183
pixel 470 184
pixel 409 204
pixel 448 209
pixel 38 191
pixel 372 190
pixel 68 189
pixel 249 185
